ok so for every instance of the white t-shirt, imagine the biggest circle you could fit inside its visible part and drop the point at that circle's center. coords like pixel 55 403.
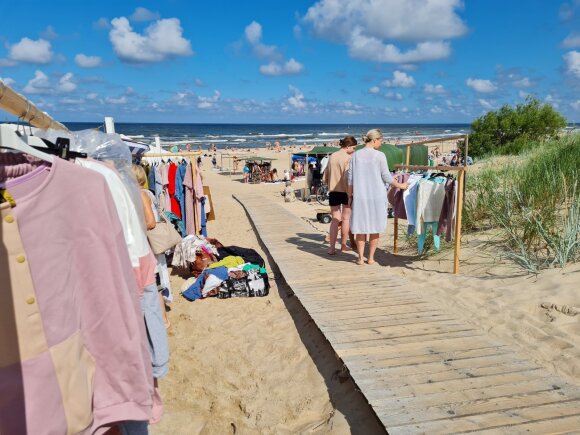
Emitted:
pixel 135 237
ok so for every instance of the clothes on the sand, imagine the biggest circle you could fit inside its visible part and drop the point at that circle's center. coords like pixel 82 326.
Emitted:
pixel 156 331
pixel 73 343
pixel 194 292
pixel 248 254
pixel 229 261
pixel 368 174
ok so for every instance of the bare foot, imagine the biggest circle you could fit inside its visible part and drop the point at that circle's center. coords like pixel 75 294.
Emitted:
pixel 331 252
pixel 360 262
pixel 345 248
pixel 371 262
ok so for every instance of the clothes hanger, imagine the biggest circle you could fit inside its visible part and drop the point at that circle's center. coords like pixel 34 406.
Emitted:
pixel 9 139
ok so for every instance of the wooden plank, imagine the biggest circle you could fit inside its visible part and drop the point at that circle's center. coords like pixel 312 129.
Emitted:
pixel 530 386
pixel 480 406
pixel 553 426
pixel 415 363
pixel 493 420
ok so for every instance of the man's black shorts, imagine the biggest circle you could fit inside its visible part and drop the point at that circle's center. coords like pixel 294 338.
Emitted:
pixel 337 198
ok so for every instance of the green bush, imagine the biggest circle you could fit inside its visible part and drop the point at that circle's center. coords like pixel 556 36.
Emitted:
pixel 520 126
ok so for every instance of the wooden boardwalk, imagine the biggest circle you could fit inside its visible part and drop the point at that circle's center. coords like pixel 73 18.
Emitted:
pixel 421 369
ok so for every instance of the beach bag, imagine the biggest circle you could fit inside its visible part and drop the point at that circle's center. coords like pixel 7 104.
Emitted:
pixel 253 284
pixel 163 236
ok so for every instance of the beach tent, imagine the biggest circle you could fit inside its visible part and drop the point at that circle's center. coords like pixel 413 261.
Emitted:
pixel 317 152
pixel 419 154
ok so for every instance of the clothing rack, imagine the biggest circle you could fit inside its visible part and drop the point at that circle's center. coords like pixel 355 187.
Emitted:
pixel 461 170
pixel 193 174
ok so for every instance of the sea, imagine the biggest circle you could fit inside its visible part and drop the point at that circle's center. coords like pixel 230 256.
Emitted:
pixel 259 135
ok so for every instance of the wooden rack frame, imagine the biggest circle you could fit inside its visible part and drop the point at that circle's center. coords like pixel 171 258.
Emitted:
pixel 193 174
pixel 461 170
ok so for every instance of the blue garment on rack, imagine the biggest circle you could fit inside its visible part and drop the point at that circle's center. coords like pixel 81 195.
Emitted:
pixel 421 238
pixel 151 179
pixel 180 188
pixel 203 217
pixel 172 217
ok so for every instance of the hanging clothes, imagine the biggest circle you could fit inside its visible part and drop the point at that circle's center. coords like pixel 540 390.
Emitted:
pixel 179 189
pixel 447 218
pixel 189 200
pixel 74 354
pixel 171 173
pixel 430 196
pixel 395 196
pixel 151 179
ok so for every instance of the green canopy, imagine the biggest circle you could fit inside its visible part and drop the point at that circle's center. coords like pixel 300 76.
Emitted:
pixel 394 155
pixel 419 154
pixel 318 151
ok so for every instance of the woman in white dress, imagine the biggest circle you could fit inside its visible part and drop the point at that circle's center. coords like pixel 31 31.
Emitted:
pixel 367 178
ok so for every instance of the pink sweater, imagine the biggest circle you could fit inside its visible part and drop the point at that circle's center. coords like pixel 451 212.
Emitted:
pixel 74 356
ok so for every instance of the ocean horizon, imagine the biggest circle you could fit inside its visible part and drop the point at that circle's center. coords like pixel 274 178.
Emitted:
pixel 259 135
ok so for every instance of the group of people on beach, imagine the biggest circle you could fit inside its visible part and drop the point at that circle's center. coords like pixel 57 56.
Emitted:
pixel 357 184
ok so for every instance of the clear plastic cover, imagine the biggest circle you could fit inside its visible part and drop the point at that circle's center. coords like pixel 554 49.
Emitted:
pixel 106 147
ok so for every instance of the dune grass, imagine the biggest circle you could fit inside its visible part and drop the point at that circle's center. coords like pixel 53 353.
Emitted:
pixel 534 203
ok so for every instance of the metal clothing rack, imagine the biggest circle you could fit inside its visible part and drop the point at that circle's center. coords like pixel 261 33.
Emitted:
pixel 461 170
pixel 197 218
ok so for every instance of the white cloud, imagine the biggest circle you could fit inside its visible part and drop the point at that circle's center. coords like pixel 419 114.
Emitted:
pixel 4 63
pixel 365 25
pixel 161 40
pixel 297 31
pixel 8 81
pixel 87 61
pixel 434 89
pixel 374 90
pixel 400 80
pixel 480 85
pixel 199 83
pixel 296 100
pixel 393 96
pixel 524 82
pixel 40 84
pixel 49 33
pixel 142 14
pixel 253 32
pixel 117 101
pixel 102 23
pixel 30 51
pixel 486 104
pixel 523 94
pixel 572 40
pixel 66 83
pixel 572 60
pixel 550 99
pixel 436 109
pixel 71 101
pixel 92 96
pixel 208 102
pixel 292 67
pixel 575 105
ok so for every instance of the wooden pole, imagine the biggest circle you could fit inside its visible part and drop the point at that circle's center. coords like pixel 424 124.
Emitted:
pixel 408 159
pixel 458 215
pixel 19 106
pixel 396 244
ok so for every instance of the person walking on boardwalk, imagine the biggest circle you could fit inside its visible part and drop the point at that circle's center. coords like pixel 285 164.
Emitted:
pixel 335 177
pixel 367 176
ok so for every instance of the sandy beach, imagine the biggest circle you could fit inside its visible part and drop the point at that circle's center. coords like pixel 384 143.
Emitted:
pixel 260 365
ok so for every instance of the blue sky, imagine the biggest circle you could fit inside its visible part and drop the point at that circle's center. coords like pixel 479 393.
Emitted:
pixel 325 61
